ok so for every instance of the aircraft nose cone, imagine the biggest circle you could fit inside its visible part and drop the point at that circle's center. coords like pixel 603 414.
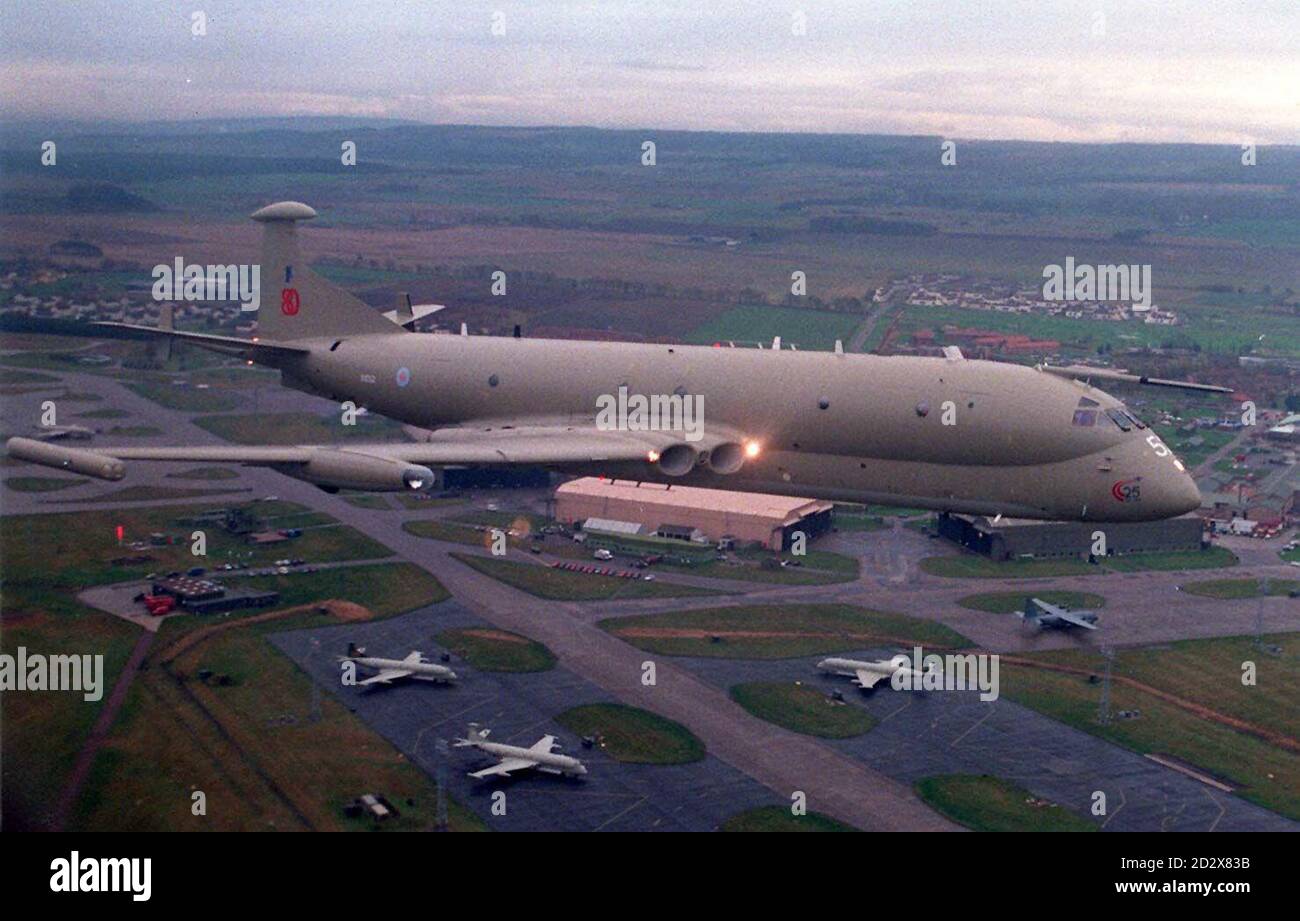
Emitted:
pixel 1174 493
pixel 1184 494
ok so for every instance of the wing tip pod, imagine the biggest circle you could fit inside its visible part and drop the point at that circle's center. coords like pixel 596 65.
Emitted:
pixel 59 457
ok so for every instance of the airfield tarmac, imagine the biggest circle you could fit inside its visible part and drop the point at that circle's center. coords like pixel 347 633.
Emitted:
pixel 519 709
pixel 865 788
pixel 920 734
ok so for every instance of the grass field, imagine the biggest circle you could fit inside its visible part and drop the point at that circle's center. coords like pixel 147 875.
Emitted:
pixel 107 412
pixel 558 585
pixel 384 588
pixel 46 559
pixel 492 650
pixel 251 745
pixel 298 428
pixel 42 483
pixel 802 709
pixel 366 500
pixel 72 550
pixel 518 521
pixel 1193 447
pixel 187 399
pixel 816 567
pixel 44 732
pixel 1010 602
pixel 634 735
pixel 780 819
pixel 775 631
pixel 417 501
pixel 1206 328
pixel 850 521
pixel 1206 673
pixel 448 531
pixel 1240 588
pixel 985 803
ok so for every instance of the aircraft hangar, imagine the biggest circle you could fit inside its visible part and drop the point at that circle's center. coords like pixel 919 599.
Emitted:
pixel 1016 537
pixel 757 517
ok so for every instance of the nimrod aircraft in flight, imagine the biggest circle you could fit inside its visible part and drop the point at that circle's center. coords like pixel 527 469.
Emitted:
pixel 947 433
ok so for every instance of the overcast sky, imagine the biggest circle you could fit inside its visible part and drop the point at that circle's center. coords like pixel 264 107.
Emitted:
pixel 1197 70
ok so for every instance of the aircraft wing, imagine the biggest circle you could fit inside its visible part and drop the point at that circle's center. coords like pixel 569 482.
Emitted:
pixel 1074 619
pixel 544 745
pixel 1084 372
pixel 868 680
pixel 529 442
pixel 546 445
pixel 387 675
pixel 503 768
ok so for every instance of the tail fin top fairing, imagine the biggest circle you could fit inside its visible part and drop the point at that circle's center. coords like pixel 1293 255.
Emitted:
pixel 296 302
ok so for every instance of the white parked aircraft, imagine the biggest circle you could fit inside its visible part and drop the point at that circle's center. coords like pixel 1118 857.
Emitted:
pixel 413 666
pixel 867 675
pixel 540 755
pixel 1046 615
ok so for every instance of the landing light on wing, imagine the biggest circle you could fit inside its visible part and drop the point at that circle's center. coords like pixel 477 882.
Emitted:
pixel 652 456
pixel 752 448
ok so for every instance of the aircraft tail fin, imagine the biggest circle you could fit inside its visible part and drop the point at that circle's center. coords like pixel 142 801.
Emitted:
pixel 296 302
pixel 473 736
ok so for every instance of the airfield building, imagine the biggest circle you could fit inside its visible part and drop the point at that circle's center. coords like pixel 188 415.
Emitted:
pixel 691 513
pixel 206 596
pixel 1022 538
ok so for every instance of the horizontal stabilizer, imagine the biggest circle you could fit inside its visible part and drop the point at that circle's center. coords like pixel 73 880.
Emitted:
pixel 226 345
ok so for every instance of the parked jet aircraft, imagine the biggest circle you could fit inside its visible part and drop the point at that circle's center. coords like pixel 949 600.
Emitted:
pixel 943 433
pixel 1048 616
pixel 540 756
pixel 389 670
pixel 867 674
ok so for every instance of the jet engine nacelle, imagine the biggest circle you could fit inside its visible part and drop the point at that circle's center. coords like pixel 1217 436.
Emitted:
pixel 724 457
pixel 678 459
pixel 727 457
pixel 353 470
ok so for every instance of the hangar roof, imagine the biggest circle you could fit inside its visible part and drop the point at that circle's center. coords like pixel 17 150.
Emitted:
pixel 783 508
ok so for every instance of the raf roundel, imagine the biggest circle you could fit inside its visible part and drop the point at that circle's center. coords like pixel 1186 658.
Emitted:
pixel 403 376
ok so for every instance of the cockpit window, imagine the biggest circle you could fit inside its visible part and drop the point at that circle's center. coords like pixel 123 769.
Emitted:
pixel 1121 419
pixel 1085 417
pixel 1087 401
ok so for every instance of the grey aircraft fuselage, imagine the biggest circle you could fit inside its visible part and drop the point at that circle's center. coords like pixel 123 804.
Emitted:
pixel 944 433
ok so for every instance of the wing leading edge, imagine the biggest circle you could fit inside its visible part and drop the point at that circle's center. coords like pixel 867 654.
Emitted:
pixel 360 464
